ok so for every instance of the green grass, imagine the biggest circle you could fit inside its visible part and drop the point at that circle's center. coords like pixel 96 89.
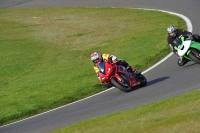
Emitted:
pixel 45 52
pixel 174 115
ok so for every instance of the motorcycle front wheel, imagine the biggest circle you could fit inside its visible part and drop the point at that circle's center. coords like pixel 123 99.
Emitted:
pixel 183 62
pixel 195 55
pixel 120 86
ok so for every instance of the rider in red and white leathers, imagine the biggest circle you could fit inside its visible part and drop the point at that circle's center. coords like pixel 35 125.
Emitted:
pixel 96 58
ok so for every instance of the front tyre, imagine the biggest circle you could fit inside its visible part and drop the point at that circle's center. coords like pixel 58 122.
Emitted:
pixel 182 62
pixel 195 55
pixel 107 86
pixel 119 85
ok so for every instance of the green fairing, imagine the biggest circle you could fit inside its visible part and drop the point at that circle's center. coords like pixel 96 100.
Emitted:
pixel 187 56
pixel 182 38
pixel 195 45
pixel 188 52
pixel 179 47
pixel 175 48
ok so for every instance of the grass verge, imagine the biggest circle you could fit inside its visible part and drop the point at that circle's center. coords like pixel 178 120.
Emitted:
pixel 45 52
pixel 174 115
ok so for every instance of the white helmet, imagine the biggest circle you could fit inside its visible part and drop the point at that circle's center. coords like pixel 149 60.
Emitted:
pixel 171 29
pixel 96 57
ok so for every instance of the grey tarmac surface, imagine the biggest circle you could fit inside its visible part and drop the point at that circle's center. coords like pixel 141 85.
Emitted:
pixel 165 80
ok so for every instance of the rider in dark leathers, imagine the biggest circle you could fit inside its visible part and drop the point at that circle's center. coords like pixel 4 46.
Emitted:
pixel 174 33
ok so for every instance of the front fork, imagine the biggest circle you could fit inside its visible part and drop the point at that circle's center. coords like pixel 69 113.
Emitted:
pixel 186 56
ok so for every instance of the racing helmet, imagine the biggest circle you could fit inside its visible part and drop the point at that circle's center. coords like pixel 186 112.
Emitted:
pixel 96 57
pixel 172 29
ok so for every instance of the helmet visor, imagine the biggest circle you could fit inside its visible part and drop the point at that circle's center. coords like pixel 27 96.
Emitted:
pixel 173 34
pixel 97 60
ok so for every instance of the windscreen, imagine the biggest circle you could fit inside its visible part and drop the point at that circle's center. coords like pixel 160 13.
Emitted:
pixel 101 67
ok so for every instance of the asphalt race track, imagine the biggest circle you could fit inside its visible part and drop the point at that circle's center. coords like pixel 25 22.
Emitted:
pixel 165 80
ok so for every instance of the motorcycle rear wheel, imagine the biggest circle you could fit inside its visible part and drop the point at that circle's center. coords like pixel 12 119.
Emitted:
pixel 142 79
pixel 120 86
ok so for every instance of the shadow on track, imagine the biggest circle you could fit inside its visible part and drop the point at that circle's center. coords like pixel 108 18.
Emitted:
pixel 156 81
pixel 194 63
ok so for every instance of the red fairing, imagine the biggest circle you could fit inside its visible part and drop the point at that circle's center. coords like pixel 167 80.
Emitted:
pixel 109 71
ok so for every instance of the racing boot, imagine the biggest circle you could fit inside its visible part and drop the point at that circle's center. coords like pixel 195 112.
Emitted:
pixel 130 69
pixel 133 70
pixel 136 73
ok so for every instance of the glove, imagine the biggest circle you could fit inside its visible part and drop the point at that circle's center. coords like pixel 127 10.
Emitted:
pixel 196 37
pixel 114 58
pixel 188 36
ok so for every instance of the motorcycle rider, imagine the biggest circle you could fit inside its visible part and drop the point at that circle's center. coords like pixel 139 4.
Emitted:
pixel 174 33
pixel 96 58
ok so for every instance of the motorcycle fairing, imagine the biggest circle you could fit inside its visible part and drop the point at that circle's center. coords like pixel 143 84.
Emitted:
pixel 102 73
pixel 183 46
pixel 195 45
pixel 185 56
pixel 101 67
pixel 109 71
pixel 182 49
pixel 106 70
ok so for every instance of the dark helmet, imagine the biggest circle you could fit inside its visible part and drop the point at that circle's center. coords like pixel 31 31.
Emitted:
pixel 96 57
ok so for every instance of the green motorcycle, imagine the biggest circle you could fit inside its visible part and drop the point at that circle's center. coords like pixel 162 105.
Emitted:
pixel 188 49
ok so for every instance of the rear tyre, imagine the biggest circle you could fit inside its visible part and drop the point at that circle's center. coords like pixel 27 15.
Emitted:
pixel 120 86
pixel 142 80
